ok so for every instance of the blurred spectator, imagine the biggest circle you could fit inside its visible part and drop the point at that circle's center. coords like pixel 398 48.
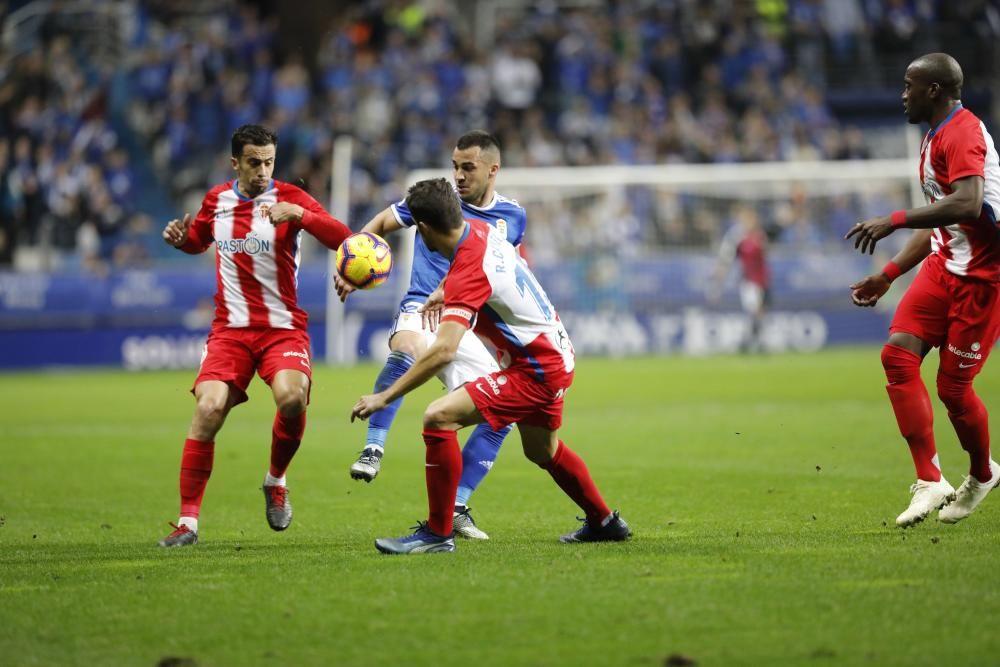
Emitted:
pixel 625 83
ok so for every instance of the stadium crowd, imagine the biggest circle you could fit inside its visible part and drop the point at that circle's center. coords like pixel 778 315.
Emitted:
pixel 588 84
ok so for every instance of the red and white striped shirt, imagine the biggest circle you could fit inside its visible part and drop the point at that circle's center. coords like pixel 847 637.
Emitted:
pixel 256 262
pixel 957 148
pixel 490 287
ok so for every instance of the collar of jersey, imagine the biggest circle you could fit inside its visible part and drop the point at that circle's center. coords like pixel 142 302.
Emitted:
pixel 243 197
pixel 951 114
pixel 465 234
pixel 493 202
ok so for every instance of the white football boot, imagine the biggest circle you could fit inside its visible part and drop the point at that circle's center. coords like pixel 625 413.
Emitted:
pixel 927 497
pixel 969 495
pixel 465 526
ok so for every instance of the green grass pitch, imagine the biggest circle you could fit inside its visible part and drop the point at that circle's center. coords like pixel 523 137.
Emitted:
pixel 762 492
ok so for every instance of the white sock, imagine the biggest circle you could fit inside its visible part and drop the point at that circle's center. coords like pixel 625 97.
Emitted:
pixel 377 447
pixel 271 480
pixel 189 521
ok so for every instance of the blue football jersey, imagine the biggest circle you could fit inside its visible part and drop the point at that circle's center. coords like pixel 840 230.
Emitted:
pixel 429 267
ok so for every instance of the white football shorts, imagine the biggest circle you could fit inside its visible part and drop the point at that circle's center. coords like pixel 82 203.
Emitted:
pixel 473 359
pixel 752 297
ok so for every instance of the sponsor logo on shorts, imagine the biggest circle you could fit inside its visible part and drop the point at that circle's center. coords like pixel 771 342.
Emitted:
pixel 303 357
pixel 974 354
pixel 961 365
pixel 494 384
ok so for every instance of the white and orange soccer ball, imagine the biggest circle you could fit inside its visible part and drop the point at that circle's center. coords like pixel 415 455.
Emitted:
pixel 364 260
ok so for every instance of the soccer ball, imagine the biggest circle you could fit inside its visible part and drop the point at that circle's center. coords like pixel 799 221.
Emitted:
pixel 364 260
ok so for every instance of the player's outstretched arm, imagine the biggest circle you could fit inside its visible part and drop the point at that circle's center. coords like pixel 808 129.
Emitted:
pixel 868 291
pixel 438 355
pixel 382 224
pixel 964 203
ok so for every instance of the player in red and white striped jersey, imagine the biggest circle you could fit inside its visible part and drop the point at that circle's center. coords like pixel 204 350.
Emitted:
pixel 490 288
pixel 954 302
pixel 255 224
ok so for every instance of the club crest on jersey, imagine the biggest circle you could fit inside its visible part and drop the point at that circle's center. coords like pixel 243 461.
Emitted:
pixel 251 245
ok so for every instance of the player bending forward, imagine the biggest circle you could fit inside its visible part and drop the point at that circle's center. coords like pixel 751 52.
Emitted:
pixel 954 302
pixel 475 161
pixel 488 287
pixel 255 223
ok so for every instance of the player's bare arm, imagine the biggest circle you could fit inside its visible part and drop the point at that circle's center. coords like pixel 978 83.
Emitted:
pixel 383 223
pixel 964 202
pixel 176 231
pixel 437 356
pixel 868 291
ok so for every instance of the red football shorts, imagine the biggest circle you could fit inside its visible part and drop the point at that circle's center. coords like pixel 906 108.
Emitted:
pixel 514 396
pixel 960 316
pixel 233 355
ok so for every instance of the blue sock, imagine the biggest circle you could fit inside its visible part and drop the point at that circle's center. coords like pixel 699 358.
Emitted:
pixel 380 422
pixel 478 456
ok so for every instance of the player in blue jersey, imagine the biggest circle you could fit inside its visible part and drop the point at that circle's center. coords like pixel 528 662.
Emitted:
pixel 475 161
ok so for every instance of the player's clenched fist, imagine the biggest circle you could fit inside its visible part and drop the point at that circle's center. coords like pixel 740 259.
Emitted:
pixel 176 231
pixel 283 212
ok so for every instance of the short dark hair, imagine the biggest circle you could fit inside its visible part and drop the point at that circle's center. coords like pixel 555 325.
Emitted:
pixel 252 135
pixel 480 138
pixel 434 203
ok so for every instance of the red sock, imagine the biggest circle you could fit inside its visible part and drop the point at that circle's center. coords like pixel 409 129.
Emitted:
pixel 196 468
pixel 443 470
pixel 912 406
pixel 286 434
pixel 971 421
pixel 572 476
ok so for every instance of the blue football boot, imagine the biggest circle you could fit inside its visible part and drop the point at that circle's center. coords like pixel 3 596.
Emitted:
pixel 422 541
